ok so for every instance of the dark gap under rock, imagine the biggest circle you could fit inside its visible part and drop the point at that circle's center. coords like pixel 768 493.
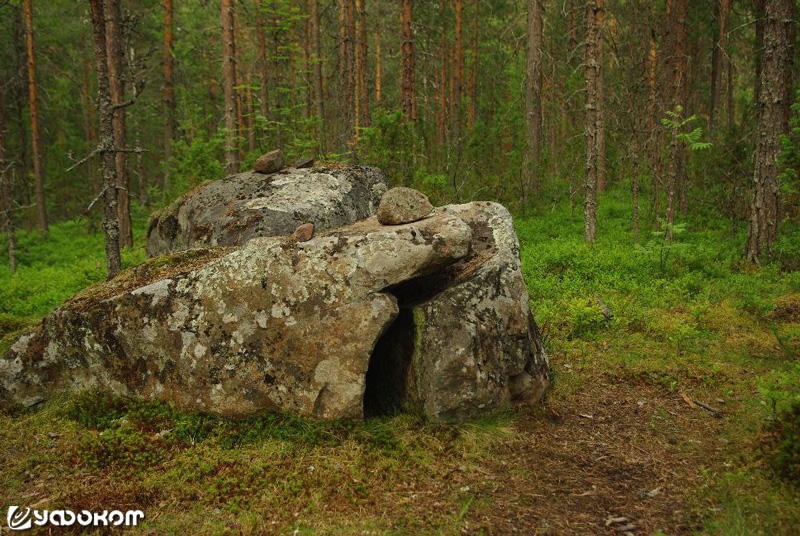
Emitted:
pixel 386 390
pixel 388 378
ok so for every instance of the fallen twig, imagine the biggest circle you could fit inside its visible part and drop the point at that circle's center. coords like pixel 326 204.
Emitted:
pixel 714 411
pixel 688 401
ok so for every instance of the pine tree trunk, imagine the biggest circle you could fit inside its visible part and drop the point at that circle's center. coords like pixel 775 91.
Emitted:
pixel 533 101
pixel 114 55
pixel 378 66
pixel 407 84
pixel 679 71
pixel 601 109
pixel 239 87
pixel 363 93
pixel 473 108
pixel 773 120
pixel 590 76
pixel 38 172
pixel 6 189
pixel 170 127
pixel 106 120
pixel 717 54
pixel 263 61
pixel 441 132
pixel 760 8
pixel 229 87
pixel 652 63
pixel 458 85
pixel 731 105
pixel 319 98
pixel 346 52
pixel 251 123
pixel 307 69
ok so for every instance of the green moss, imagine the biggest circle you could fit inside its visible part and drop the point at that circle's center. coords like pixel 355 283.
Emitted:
pixel 12 328
pixel 148 272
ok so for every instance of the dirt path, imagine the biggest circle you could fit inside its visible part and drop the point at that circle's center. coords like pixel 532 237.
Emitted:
pixel 610 451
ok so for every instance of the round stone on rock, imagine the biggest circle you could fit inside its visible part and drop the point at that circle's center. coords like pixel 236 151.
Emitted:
pixel 269 162
pixel 303 233
pixel 403 205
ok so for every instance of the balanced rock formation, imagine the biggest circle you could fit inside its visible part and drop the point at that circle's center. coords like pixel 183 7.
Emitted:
pixel 465 340
pixel 233 210
pixel 269 162
pixel 403 205
pixel 356 321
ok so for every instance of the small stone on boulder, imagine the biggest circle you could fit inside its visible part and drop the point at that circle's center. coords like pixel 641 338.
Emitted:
pixel 269 162
pixel 304 233
pixel 403 205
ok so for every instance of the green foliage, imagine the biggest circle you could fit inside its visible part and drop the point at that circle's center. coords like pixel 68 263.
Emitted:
pixel 53 269
pixel 675 121
pixel 665 247
pixel 95 409
pixel 389 144
pixel 789 160
pixel 195 162
pixel 641 285
pixel 783 444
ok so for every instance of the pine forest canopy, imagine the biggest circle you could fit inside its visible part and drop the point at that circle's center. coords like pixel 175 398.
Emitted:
pixel 122 105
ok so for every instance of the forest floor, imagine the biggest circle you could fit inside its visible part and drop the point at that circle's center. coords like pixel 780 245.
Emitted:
pixel 622 444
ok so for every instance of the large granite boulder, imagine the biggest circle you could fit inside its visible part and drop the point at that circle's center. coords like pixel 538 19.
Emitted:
pixel 272 325
pixel 233 210
pixel 361 320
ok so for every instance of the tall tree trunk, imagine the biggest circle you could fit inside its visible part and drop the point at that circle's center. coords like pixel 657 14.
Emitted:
pixel 279 83
pixel 717 55
pixel 407 84
pixel 760 6
pixel 263 61
pixel 6 189
pixel 652 63
pixel 590 118
pixel 378 66
pixel 307 69
pixel 731 106
pixel 441 132
pixel 773 121
pixel 473 94
pixel 679 71
pixel 458 86
pixel 115 56
pixel 33 98
pixel 361 52
pixel 239 87
pixel 319 98
pixel 105 114
pixel 170 126
pixel 346 52
pixel 601 108
pixel 251 123
pixel 533 101
pixel 229 87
